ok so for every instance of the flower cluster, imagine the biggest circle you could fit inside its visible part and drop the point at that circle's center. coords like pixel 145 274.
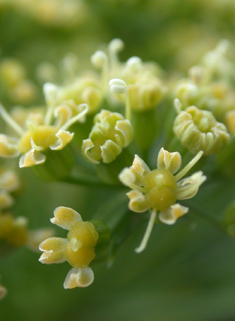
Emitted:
pixel 113 116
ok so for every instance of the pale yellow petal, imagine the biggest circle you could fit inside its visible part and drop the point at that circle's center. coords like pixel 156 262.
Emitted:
pixel 87 145
pixel 172 214
pixel 63 138
pixel 65 217
pixel 53 250
pixel 188 187
pixel 137 202
pixel 81 278
pixel 32 158
pixel 63 113
pixel 169 161
pixel 109 151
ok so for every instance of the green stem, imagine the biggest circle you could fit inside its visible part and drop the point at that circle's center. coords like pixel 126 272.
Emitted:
pixel 88 180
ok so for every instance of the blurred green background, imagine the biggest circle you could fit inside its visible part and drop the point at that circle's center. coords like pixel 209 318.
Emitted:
pixel 188 271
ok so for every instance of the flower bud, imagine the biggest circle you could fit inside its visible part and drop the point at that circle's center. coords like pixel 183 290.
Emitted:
pixel 199 130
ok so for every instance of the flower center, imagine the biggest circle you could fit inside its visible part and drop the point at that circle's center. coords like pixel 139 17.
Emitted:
pixel 43 136
pixel 161 189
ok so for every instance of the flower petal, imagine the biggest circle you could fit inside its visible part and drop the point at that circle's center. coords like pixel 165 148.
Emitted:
pixel 127 177
pixel 87 145
pixel 64 137
pixel 169 161
pixel 81 277
pixel 109 151
pixel 188 187
pixel 137 202
pixel 53 250
pixel 172 214
pixel 65 217
pixel 31 158
pixel 62 113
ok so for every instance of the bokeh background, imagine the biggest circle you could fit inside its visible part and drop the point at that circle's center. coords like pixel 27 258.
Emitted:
pixel 188 271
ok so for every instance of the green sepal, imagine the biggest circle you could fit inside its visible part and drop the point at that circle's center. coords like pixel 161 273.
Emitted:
pixel 102 246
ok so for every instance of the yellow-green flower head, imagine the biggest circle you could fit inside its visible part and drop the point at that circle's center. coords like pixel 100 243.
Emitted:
pixel 77 249
pixel 160 188
pixel 36 137
pixel 110 134
pixel 199 130
pixel 83 90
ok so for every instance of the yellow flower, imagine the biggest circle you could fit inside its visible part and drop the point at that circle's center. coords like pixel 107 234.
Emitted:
pixel 77 249
pixel 159 189
pixel 37 137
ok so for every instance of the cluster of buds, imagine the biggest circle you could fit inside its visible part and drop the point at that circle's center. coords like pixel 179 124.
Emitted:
pixel 199 130
pixel 110 134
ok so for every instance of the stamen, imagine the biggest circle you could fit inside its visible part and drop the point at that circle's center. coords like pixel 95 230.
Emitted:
pixel 137 187
pixel 188 166
pixel 118 86
pixel 76 118
pixel 10 121
pixel 49 115
pixel 147 233
pixel 100 60
pixel 115 46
